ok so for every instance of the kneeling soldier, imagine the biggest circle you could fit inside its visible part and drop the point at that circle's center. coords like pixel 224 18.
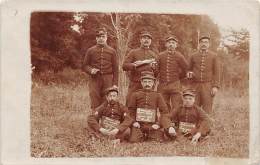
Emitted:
pixel 190 120
pixel 111 118
pixel 143 105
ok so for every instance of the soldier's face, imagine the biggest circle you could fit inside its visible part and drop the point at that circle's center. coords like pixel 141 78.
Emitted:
pixel 145 41
pixel 171 45
pixel 188 101
pixel 112 96
pixel 204 44
pixel 101 40
pixel 147 83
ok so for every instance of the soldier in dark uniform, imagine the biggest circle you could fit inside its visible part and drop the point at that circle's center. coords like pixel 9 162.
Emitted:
pixel 190 120
pixel 143 106
pixel 138 60
pixel 110 119
pixel 204 73
pixel 101 64
pixel 171 64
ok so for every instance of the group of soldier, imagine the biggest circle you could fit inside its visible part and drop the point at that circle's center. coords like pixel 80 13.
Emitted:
pixel 150 114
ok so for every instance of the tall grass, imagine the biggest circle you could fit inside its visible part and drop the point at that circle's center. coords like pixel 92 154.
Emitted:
pixel 60 105
pixel 58 127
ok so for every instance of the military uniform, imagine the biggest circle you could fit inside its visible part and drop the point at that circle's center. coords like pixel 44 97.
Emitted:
pixel 116 112
pixel 142 53
pixel 190 120
pixel 191 115
pixel 104 58
pixel 205 68
pixel 170 65
pixel 143 103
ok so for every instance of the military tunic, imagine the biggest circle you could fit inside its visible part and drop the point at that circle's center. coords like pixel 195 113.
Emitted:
pixel 170 66
pixel 193 115
pixel 205 66
pixel 151 100
pixel 135 72
pixel 115 111
pixel 103 58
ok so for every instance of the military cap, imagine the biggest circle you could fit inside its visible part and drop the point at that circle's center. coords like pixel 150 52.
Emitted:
pixel 171 37
pixel 147 75
pixel 101 31
pixel 110 89
pixel 190 92
pixel 203 36
pixel 146 33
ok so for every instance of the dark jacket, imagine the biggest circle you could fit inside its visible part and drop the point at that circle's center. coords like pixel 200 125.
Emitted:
pixel 149 99
pixel 103 58
pixel 135 55
pixel 205 67
pixel 115 111
pixel 194 115
pixel 170 65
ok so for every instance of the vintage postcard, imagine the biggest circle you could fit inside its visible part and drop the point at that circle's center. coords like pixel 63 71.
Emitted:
pixel 130 82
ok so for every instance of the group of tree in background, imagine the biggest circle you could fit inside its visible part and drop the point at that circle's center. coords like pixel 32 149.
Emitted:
pixel 60 39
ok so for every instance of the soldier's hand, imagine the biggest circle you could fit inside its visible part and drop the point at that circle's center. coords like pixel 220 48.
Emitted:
pixel 172 131
pixel 113 132
pixel 153 65
pixel 104 131
pixel 214 91
pixel 195 138
pixel 189 75
pixel 155 126
pixel 136 125
pixel 94 71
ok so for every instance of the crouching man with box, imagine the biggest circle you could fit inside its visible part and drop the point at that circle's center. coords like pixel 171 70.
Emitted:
pixel 190 120
pixel 111 119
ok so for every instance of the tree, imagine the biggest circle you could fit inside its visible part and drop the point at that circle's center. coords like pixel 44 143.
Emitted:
pixel 235 58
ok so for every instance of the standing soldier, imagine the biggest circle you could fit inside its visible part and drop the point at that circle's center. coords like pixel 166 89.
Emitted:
pixel 110 119
pixel 143 106
pixel 138 60
pixel 101 64
pixel 171 64
pixel 204 73
pixel 189 119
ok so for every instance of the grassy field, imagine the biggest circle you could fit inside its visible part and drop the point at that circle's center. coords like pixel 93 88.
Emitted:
pixel 58 128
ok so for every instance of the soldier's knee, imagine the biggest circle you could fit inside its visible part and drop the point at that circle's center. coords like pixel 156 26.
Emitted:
pixel 136 136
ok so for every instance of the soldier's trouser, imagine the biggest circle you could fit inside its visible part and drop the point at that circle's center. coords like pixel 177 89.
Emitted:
pixel 145 133
pixel 123 136
pixel 171 93
pixel 97 86
pixel 133 86
pixel 203 95
pixel 93 130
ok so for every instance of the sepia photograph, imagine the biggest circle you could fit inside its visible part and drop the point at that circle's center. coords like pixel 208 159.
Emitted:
pixel 138 84
pixel 130 82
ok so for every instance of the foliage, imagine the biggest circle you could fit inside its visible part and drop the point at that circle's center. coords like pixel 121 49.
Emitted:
pixel 235 59
pixel 55 45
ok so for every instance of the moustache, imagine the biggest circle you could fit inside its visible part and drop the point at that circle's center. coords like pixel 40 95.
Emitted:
pixel 147 86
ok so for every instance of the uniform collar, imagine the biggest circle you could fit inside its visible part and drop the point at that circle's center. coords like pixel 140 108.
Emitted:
pixel 204 51
pixel 147 90
pixel 189 108
pixel 101 46
pixel 144 47
pixel 172 52
pixel 112 105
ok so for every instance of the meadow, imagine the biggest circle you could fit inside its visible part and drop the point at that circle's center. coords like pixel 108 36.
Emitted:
pixel 58 127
